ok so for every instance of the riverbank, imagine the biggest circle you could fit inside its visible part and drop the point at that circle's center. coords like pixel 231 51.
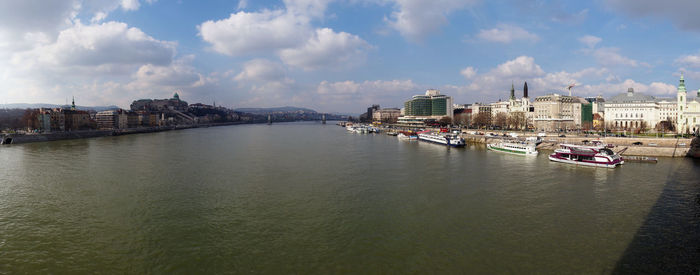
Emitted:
pixel 651 147
pixel 55 136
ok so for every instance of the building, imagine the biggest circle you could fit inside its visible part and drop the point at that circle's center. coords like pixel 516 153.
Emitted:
pixel 688 114
pixel 556 112
pixel 597 104
pixel 107 120
pixel 638 111
pixel 369 115
pixel 386 115
pixel 515 106
pixel 160 105
pixel 432 105
pixel 77 120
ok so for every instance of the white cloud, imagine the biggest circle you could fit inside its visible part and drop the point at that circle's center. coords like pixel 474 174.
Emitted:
pixel 590 40
pixel 611 57
pixel 287 33
pixel 468 72
pixel 692 61
pixel 520 67
pixel 111 43
pixel 130 5
pixel 261 70
pixel 506 33
pixel 178 74
pixel 415 19
pixel 327 49
pixel 246 33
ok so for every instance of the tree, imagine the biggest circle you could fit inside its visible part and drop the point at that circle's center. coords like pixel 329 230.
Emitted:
pixel 501 120
pixel 643 125
pixel 482 119
pixel 463 119
pixel 444 121
pixel 29 119
pixel 666 126
pixel 517 120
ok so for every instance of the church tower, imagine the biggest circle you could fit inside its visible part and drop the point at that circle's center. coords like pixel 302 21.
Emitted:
pixel 512 91
pixel 72 106
pixel 681 96
pixel 525 90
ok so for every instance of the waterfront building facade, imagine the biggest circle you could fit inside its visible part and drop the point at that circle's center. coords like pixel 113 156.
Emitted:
pixel 688 114
pixel 632 111
pixel 386 115
pixel 432 105
pixel 557 112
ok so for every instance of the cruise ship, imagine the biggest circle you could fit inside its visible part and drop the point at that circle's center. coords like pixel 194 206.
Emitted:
pixel 516 148
pixel 441 138
pixel 595 156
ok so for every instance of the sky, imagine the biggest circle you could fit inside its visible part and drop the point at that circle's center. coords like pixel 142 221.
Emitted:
pixel 341 55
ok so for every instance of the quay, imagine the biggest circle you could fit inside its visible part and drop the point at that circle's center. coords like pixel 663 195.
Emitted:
pixel 55 136
pixel 649 147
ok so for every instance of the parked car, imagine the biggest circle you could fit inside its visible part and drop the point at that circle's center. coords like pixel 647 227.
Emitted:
pixel 562 135
pixel 637 143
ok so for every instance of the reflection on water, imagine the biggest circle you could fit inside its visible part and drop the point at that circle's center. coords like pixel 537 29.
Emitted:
pixel 306 197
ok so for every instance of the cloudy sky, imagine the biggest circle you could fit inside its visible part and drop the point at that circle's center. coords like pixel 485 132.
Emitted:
pixel 340 55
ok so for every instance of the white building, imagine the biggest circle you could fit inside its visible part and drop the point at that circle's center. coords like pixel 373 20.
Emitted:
pixel 688 113
pixel 631 109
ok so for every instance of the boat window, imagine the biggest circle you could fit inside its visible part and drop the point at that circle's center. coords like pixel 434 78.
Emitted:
pixel 607 151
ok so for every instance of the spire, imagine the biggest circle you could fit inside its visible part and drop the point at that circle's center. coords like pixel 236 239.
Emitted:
pixel 681 85
pixel 72 106
pixel 525 90
pixel 512 91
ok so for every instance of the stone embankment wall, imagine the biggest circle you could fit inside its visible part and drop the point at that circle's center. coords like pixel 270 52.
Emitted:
pixel 19 139
pixel 664 147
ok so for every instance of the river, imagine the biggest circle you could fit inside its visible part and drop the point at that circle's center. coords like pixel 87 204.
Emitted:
pixel 313 198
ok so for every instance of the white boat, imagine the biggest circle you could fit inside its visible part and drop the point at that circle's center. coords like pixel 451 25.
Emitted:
pixel 596 156
pixel 441 138
pixel 406 137
pixel 516 148
pixel 535 140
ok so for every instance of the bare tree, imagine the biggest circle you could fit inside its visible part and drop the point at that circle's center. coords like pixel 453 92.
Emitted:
pixel 501 120
pixel 517 120
pixel 463 119
pixel 482 119
pixel 444 121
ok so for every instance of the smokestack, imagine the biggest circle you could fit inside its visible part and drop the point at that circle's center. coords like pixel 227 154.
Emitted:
pixel 525 90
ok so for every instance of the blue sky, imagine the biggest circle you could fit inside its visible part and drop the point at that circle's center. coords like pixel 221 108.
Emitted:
pixel 340 55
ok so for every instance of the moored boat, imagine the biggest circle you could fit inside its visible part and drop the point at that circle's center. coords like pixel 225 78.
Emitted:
pixel 407 135
pixel 595 156
pixel 441 138
pixel 516 148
